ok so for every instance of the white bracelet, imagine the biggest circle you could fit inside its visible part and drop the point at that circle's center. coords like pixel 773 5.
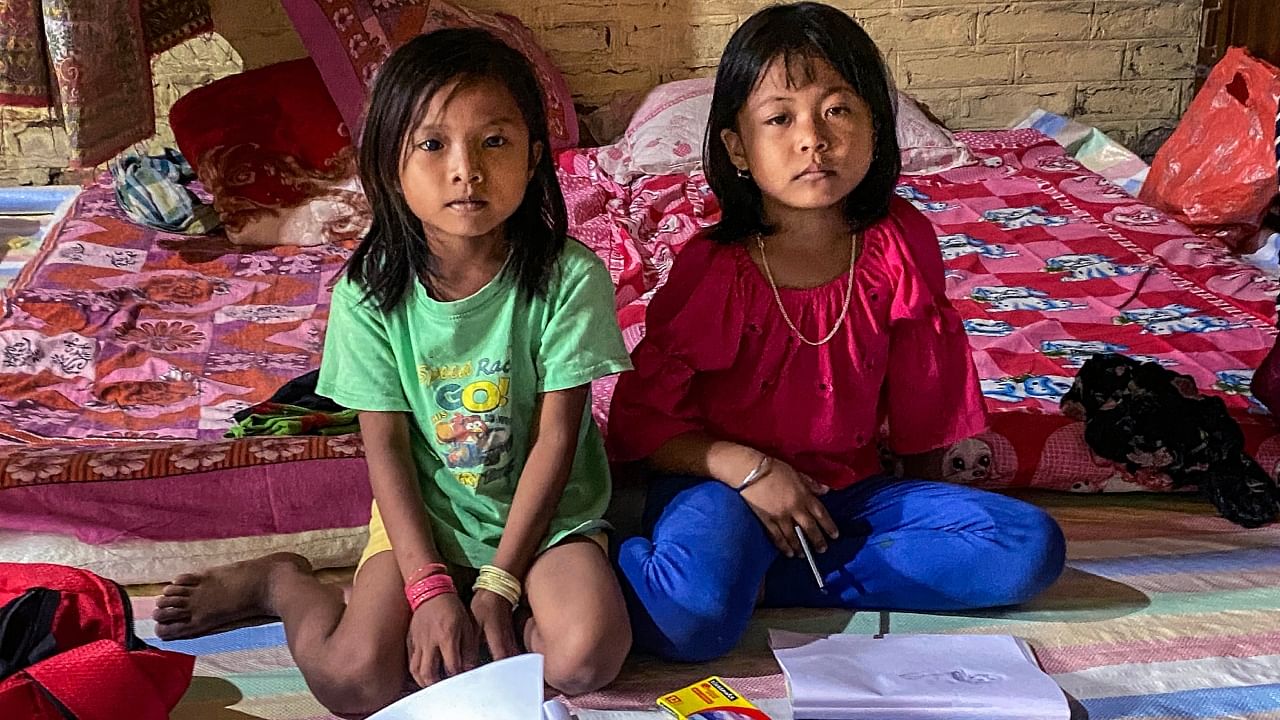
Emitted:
pixel 761 469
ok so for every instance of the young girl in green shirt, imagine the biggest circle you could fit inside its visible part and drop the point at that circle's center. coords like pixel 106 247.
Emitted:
pixel 467 331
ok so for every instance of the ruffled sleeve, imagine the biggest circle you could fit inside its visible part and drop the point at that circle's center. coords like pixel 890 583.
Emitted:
pixel 932 397
pixel 693 325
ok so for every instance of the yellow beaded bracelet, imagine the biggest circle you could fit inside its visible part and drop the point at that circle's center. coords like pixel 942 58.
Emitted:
pixel 499 582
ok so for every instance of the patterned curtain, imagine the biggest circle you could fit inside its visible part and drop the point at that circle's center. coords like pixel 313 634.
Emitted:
pixel 90 60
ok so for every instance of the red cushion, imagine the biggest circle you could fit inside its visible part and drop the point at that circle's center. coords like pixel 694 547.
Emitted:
pixel 263 137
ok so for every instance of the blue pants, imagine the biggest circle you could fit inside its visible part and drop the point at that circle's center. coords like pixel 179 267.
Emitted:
pixel 909 545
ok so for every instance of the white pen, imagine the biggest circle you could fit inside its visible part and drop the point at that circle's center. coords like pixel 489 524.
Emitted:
pixel 808 555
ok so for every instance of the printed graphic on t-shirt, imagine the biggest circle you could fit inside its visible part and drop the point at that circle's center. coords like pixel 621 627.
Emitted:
pixel 472 421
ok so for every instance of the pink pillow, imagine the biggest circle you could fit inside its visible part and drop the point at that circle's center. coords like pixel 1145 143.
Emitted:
pixel 349 40
pixel 666 131
pixel 926 146
pixel 665 134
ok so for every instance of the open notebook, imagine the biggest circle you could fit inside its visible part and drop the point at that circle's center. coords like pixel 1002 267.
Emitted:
pixel 508 689
pixel 915 677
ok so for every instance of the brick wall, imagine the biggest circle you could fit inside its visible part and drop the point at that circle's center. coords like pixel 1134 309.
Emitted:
pixel 1125 66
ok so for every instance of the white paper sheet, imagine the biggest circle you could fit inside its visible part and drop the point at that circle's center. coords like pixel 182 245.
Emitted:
pixel 508 689
pixel 915 677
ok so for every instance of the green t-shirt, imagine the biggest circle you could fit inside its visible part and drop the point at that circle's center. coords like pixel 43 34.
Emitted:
pixel 469 372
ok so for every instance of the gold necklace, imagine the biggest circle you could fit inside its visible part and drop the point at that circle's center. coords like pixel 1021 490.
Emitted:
pixel 848 293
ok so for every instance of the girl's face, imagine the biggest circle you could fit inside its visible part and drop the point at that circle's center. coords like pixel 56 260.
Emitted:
pixel 467 164
pixel 806 145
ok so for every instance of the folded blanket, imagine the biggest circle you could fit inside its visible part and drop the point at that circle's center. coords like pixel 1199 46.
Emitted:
pixel 1092 148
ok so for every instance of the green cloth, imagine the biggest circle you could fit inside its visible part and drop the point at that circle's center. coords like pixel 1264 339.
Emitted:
pixel 295 420
pixel 469 372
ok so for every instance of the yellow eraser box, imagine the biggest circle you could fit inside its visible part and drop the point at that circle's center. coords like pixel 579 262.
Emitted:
pixel 710 699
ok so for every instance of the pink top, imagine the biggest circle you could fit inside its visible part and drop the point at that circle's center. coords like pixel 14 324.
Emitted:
pixel 719 357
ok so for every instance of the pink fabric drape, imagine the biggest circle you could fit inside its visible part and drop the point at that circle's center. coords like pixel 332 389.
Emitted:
pixel 90 62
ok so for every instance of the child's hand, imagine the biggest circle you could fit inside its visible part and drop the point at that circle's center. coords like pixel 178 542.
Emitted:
pixel 441 636
pixel 785 498
pixel 494 619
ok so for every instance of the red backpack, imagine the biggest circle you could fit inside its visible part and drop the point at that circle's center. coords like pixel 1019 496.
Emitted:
pixel 68 652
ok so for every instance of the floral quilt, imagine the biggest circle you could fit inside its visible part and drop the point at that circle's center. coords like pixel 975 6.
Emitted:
pixel 123 344
pixel 121 332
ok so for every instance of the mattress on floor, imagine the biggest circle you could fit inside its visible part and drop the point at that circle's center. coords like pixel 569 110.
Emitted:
pixel 1165 612
pixel 137 513
pixel 1047 262
pixel 143 562
pixel 124 353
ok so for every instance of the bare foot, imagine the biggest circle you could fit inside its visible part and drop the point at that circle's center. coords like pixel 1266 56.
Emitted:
pixel 196 604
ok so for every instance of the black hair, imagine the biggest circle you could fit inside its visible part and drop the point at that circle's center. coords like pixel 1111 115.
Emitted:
pixel 801 32
pixel 395 253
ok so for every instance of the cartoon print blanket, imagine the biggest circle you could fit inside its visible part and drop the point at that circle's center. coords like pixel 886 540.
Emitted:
pixel 1048 263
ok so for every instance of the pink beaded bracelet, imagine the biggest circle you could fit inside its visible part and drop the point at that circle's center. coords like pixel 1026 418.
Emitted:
pixel 427 588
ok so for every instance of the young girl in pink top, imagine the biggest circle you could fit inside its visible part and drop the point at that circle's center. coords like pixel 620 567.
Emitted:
pixel 812 316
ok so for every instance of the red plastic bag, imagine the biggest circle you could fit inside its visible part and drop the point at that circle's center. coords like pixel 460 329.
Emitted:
pixel 68 651
pixel 1217 171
